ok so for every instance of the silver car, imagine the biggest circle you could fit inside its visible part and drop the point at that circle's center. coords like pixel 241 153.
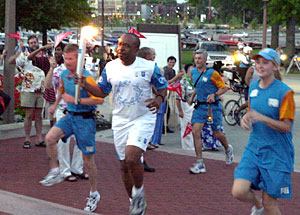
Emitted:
pixel 217 51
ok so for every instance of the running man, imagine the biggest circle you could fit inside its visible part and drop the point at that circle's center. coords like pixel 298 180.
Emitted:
pixel 268 159
pixel 130 78
pixel 208 86
pixel 80 121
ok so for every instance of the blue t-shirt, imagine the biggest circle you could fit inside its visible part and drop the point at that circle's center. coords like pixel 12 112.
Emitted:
pixel 273 148
pixel 69 87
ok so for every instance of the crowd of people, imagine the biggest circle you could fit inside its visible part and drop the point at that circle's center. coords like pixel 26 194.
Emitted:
pixel 140 115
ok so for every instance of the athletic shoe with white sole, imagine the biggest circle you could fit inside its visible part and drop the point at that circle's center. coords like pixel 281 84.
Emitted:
pixel 229 155
pixel 198 167
pixel 53 177
pixel 92 202
pixel 138 205
pixel 255 211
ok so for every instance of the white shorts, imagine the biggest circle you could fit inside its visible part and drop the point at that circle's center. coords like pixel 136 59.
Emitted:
pixel 138 134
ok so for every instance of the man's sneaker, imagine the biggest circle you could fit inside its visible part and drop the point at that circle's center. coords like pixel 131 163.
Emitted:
pixel 199 167
pixel 138 204
pixel 92 202
pixel 229 155
pixel 53 177
pixel 256 211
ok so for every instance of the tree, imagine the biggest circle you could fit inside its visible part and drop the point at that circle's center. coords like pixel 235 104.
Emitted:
pixel 286 12
pixel 41 16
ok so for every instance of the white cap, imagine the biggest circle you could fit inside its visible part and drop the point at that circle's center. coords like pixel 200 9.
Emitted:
pixel 247 49
pixel 240 45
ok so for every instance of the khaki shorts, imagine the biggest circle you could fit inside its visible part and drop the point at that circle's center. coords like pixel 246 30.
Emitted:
pixel 32 100
pixel 46 114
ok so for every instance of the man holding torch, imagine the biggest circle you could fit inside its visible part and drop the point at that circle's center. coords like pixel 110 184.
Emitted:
pixel 80 121
pixel 130 78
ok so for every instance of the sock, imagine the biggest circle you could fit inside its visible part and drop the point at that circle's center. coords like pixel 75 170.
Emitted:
pixel 95 193
pixel 200 160
pixel 136 191
pixel 55 170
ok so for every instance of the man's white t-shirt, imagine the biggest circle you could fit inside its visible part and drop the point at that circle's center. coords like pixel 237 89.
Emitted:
pixel 131 86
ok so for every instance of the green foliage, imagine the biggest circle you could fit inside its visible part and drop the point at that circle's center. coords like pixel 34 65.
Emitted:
pixel 39 15
pixel 254 23
pixel 234 22
pixel 196 21
pixel 187 57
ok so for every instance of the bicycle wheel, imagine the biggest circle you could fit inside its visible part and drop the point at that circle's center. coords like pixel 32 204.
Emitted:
pixel 230 107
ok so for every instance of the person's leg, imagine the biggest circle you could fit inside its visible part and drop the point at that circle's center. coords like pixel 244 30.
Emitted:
pixel 197 128
pixel 126 178
pixel 51 139
pixel 222 138
pixel 89 162
pixel 241 191
pixel 28 123
pixel 270 204
pixel 77 161
pixel 133 161
pixel 38 123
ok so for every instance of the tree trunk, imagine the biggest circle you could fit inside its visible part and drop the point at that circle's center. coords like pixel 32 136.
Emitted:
pixel 9 69
pixel 290 36
pixel 275 36
pixel 44 32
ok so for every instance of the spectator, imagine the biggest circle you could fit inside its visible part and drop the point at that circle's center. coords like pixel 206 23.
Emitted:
pixel 34 66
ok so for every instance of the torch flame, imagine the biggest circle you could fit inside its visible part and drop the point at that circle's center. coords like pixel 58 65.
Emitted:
pixel 88 32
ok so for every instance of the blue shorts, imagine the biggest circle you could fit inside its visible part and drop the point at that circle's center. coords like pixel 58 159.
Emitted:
pixel 84 130
pixel 200 116
pixel 277 184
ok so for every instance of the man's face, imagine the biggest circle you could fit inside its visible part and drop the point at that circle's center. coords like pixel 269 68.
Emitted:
pixel 58 53
pixel 33 44
pixel 153 54
pixel 71 61
pixel 171 63
pixel 200 61
pixel 127 48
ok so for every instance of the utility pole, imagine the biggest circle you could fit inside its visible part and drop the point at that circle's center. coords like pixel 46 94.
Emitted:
pixel 264 43
pixel 9 70
pixel 102 28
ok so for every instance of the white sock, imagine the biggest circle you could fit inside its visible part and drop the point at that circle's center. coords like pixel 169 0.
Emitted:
pixel 137 191
pixel 95 193
pixel 200 160
pixel 55 170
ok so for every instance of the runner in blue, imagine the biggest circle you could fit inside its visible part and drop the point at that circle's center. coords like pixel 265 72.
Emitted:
pixel 268 160
pixel 209 86
pixel 80 121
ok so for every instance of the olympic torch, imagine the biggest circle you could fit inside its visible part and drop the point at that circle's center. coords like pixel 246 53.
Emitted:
pixel 87 33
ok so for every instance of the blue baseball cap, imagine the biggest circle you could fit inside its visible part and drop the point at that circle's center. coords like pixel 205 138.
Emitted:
pixel 268 54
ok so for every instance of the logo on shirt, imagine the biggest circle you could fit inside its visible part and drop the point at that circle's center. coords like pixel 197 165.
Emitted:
pixel 204 79
pixel 143 74
pixel 254 93
pixel 145 141
pixel 284 190
pixel 273 102
pixel 100 79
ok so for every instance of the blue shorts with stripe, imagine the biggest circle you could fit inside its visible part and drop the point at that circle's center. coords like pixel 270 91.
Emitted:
pixel 275 183
pixel 84 130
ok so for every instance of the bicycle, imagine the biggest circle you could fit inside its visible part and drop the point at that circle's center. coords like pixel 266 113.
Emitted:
pixel 233 105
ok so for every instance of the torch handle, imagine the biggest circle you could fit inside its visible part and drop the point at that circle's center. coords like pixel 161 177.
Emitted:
pixel 79 69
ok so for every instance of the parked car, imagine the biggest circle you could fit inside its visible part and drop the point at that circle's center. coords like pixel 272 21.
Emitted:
pixel 217 51
pixel 241 34
pixel 231 40
pixel 189 43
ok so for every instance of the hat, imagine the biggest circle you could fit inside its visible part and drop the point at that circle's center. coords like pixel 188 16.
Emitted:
pixel 268 54
pixel 246 49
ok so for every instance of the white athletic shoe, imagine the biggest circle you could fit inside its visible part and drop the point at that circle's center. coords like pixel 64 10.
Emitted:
pixel 255 211
pixel 198 167
pixel 229 155
pixel 92 202
pixel 138 205
pixel 53 177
